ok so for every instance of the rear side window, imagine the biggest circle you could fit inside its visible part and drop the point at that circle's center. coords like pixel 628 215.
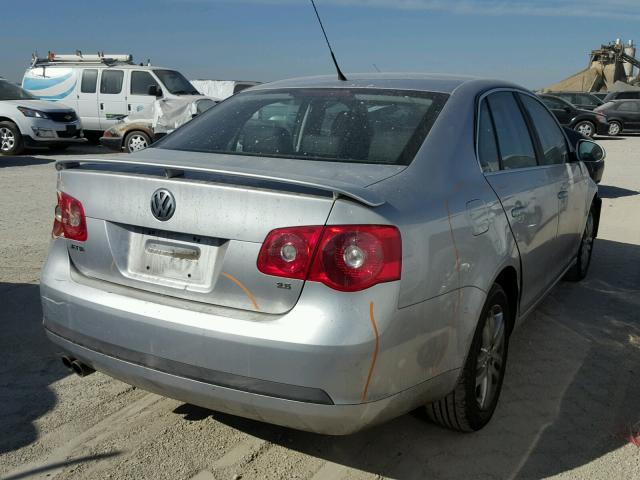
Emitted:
pixel 487 146
pixel 111 82
pixel 553 103
pixel 514 140
pixel 355 125
pixel 631 107
pixel 140 83
pixel 89 81
pixel 554 146
pixel 628 95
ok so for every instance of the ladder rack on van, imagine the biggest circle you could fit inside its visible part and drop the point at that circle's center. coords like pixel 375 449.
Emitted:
pixel 107 59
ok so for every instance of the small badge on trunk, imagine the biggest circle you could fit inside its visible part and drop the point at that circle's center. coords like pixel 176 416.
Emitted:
pixel 163 205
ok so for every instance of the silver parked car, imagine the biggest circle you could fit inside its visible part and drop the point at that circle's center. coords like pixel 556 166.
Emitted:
pixel 323 255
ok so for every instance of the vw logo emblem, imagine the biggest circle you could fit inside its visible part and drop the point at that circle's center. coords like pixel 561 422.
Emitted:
pixel 163 205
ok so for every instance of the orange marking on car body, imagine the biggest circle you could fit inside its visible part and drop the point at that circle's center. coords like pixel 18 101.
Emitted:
pixel 244 289
pixel 375 352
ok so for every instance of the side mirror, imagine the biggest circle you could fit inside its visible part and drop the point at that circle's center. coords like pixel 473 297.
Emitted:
pixel 567 109
pixel 154 91
pixel 589 151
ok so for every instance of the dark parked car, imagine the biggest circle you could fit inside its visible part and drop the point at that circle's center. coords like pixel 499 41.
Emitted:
pixel 586 122
pixel 623 115
pixel 584 100
pixel 596 165
pixel 627 95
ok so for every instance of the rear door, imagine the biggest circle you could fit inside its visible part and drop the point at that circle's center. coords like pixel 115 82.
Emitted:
pixel 630 113
pixel 88 99
pixel 523 187
pixel 568 179
pixel 111 99
pixel 138 98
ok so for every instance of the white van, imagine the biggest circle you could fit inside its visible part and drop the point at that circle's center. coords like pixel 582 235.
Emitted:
pixel 102 88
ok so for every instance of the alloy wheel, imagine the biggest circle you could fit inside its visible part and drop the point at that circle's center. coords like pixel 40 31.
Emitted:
pixel 585 129
pixel 490 361
pixel 7 139
pixel 136 143
pixel 614 129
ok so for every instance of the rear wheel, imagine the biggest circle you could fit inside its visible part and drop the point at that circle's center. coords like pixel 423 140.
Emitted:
pixel 586 128
pixel 471 404
pixel 615 128
pixel 136 141
pixel 10 139
pixel 583 259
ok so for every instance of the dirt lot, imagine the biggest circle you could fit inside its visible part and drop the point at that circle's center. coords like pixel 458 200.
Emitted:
pixel 570 406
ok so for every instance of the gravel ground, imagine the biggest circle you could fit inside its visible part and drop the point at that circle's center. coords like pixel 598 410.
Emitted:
pixel 569 408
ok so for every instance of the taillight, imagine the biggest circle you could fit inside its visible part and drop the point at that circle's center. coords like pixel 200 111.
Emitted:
pixel 348 258
pixel 70 221
pixel 287 252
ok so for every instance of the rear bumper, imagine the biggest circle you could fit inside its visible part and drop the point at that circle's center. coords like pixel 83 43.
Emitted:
pixel 318 418
pixel 316 368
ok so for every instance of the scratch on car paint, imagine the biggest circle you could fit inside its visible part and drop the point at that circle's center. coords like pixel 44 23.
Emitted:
pixel 375 352
pixel 244 289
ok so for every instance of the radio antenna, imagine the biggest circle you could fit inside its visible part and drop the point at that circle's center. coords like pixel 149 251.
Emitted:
pixel 333 57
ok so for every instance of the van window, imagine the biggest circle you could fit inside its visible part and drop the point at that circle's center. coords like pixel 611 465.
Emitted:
pixel 487 147
pixel 554 145
pixel 514 140
pixel 111 82
pixel 140 83
pixel 89 81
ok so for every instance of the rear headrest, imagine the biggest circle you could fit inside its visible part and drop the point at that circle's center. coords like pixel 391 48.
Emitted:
pixel 268 139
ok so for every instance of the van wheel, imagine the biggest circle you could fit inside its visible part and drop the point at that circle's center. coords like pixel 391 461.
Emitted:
pixel 586 128
pixel 10 139
pixel 583 259
pixel 471 404
pixel 136 141
pixel 615 128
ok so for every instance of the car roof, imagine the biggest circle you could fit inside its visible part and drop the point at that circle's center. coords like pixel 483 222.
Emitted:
pixel 399 81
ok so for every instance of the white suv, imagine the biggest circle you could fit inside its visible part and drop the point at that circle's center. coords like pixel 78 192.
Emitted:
pixel 28 122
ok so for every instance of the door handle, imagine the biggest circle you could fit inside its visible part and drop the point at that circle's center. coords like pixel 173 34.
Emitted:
pixel 562 194
pixel 518 212
pixel 101 106
pixel 129 107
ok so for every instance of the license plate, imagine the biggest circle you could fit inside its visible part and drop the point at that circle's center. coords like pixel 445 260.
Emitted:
pixel 173 259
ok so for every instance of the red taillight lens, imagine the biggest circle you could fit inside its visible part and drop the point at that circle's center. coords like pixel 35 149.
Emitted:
pixel 349 258
pixel 287 252
pixel 70 221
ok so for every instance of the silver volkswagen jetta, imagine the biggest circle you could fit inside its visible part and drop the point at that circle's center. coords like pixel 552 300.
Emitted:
pixel 323 255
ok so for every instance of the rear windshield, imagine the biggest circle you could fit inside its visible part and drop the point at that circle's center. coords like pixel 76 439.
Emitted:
pixel 333 124
pixel 9 91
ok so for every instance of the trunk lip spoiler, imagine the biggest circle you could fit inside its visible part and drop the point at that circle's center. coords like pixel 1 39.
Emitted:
pixel 354 192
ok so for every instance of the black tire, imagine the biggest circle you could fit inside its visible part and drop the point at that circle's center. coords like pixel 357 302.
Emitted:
pixel 465 409
pixel 136 138
pixel 615 128
pixel 11 142
pixel 586 128
pixel 583 259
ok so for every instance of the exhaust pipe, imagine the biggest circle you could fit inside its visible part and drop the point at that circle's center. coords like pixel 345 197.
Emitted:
pixel 81 369
pixel 67 361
